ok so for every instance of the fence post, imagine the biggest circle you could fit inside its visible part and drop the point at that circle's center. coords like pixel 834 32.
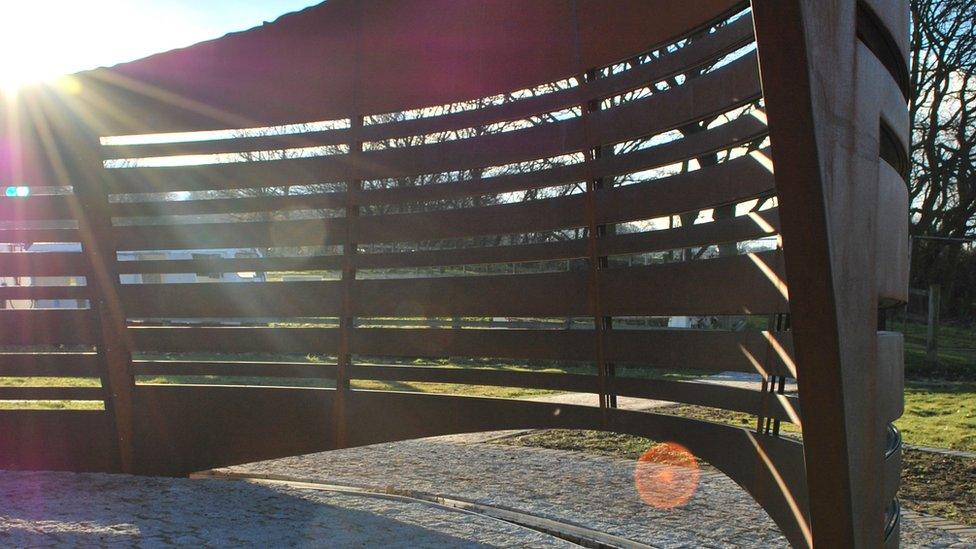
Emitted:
pixel 931 336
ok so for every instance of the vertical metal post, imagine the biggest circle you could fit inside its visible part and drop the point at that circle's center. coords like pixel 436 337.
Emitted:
pixel 595 261
pixel 346 316
pixel 75 160
pixel 810 111
pixel 602 261
pixel 932 330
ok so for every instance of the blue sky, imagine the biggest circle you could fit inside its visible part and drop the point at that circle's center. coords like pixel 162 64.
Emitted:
pixel 57 37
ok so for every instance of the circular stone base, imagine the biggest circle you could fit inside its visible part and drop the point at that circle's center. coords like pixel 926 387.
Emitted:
pixel 66 509
pixel 590 491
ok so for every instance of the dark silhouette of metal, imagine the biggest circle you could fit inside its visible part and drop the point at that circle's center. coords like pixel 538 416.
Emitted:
pixel 603 114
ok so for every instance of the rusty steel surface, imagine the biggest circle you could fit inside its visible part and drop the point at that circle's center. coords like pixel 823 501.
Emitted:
pixel 406 213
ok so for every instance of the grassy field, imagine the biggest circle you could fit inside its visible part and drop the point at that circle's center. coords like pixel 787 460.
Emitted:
pixel 956 352
pixel 52 405
pixel 940 399
pixel 410 386
pixel 937 414
pixel 940 414
pixel 429 387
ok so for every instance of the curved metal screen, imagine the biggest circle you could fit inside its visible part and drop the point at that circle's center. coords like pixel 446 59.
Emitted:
pixel 403 226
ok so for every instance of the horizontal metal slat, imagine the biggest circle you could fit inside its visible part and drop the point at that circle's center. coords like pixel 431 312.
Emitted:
pixel 547 251
pixel 744 284
pixel 49 364
pixel 730 86
pixel 759 352
pixel 724 183
pixel 524 217
pixel 235 339
pixel 708 394
pixel 243 369
pixel 696 53
pixel 536 344
pixel 244 204
pixel 716 350
pixel 554 294
pixel 231 265
pixel 30 236
pixel 43 264
pixel 735 180
pixel 739 131
pixel 473 376
pixel 52 393
pixel 232 299
pixel 31 293
pixel 309 232
pixel 38 207
pixel 737 229
pixel 244 145
pixel 48 326
pixel 713 93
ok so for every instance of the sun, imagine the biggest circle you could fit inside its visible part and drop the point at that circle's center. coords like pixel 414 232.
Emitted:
pixel 36 44
pixel 17 72
pixel 41 40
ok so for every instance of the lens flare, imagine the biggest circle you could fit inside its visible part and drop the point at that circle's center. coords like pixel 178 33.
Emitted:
pixel 666 476
pixel 17 192
pixel 69 84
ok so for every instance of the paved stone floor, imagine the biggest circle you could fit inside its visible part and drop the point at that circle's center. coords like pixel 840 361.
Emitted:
pixel 95 510
pixel 63 509
pixel 593 491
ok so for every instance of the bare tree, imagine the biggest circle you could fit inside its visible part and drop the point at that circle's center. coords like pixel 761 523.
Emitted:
pixel 943 114
pixel 943 152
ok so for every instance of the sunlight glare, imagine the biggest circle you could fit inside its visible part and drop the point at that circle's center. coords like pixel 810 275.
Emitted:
pixel 784 488
pixel 771 274
pixel 44 39
pixel 37 43
pixel 764 161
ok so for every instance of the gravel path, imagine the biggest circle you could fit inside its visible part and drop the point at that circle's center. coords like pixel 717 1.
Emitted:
pixel 596 492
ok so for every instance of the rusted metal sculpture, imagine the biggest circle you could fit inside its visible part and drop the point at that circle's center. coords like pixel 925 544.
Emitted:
pixel 624 121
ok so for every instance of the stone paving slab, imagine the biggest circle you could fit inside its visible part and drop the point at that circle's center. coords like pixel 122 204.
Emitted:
pixel 45 509
pixel 592 491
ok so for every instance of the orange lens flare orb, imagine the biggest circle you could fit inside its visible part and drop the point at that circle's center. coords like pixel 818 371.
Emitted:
pixel 666 476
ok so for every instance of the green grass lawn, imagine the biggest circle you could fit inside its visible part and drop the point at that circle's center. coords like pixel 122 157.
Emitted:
pixel 50 404
pixel 939 410
pixel 941 415
pixel 937 414
pixel 949 335
pixel 410 386
pixel 956 352
pixel 430 387
pixel 49 382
